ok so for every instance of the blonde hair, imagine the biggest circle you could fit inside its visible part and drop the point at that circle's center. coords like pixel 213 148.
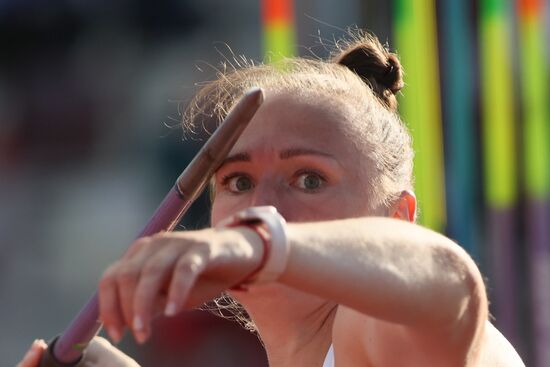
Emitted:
pixel 361 73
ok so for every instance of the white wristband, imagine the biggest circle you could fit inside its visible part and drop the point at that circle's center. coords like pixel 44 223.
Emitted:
pixel 275 224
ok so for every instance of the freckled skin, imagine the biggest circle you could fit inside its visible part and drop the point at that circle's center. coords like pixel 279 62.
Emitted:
pixel 281 123
pixel 314 322
pixel 284 122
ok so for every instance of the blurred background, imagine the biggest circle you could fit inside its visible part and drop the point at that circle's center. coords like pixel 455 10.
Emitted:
pixel 89 145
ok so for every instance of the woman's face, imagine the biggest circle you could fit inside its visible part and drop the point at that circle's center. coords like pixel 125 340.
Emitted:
pixel 299 156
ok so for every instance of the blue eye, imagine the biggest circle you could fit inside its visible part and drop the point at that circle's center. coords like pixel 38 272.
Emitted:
pixel 237 183
pixel 309 181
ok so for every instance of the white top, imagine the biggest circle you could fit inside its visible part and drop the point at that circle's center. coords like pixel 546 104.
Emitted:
pixel 329 359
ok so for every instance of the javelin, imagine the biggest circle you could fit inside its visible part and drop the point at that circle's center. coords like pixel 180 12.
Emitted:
pixel 68 349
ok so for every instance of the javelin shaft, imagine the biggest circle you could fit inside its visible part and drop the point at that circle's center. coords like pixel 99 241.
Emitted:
pixel 68 348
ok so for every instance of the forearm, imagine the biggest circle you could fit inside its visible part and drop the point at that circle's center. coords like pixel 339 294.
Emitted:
pixel 386 268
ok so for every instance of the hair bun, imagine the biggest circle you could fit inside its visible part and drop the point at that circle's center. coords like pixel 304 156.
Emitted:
pixel 378 67
pixel 393 78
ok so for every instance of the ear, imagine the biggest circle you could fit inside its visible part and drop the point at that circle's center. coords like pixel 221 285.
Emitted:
pixel 405 207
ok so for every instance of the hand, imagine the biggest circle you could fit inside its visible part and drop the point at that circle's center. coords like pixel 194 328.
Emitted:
pixel 98 353
pixel 34 354
pixel 173 271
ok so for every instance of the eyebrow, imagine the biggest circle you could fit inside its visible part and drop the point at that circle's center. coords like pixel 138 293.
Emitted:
pixel 239 157
pixel 285 154
pixel 295 152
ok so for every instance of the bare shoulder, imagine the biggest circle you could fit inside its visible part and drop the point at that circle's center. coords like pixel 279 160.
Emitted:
pixel 361 340
pixel 497 351
pixel 348 334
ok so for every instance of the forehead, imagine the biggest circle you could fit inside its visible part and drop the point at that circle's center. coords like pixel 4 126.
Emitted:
pixel 286 120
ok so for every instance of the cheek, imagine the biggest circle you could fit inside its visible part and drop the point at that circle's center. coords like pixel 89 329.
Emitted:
pixel 225 205
pixel 325 209
pixel 346 202
pixel 218 212
pixel 337 203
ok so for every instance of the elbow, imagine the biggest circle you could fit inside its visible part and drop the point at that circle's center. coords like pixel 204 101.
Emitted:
pixel 471 321
pixel 472 306
pixel 459 307
pixel 456 293
pixel 467 309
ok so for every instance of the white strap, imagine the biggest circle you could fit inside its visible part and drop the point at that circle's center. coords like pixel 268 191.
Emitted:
pixel 329 359
pixel 276 226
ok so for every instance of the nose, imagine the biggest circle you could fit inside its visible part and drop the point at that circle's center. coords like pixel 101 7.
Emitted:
pixel 270 193
pixel 265 193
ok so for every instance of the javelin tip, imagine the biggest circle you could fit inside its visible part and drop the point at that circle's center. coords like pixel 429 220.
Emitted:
pixel 255 92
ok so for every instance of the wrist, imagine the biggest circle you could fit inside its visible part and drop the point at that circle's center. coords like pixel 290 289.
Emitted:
pixel 270 229
pixel 258 244
pixel 251 250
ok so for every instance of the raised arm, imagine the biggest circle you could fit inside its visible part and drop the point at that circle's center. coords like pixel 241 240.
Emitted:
pixel 394 271
pixel 385 268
